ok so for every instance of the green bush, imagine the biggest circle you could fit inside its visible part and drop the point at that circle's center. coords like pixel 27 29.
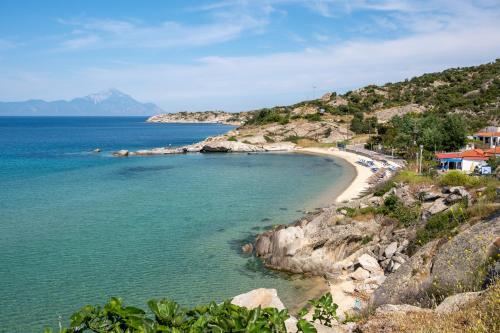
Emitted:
pixel 458 178
pixel 383 188
pixel 167 316
pixel 313 117
pixel 232 138
pixel 442 225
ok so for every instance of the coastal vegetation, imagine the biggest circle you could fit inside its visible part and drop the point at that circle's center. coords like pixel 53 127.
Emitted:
pixel 168 316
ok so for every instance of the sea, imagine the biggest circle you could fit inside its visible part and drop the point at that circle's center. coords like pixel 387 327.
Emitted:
pixel 78 227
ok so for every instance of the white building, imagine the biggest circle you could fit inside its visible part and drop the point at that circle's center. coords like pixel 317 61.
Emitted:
pixel 489 136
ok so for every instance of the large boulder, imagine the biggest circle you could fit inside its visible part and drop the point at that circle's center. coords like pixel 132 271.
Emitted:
pixel 461 264
pixel 265 298
pixel 409 284
pixel 455 302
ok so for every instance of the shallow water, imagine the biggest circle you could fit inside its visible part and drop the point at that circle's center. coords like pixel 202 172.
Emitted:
pixel 78 227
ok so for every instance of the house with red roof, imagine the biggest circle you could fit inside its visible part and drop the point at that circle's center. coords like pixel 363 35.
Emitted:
pixel 466 161
pixel 489 136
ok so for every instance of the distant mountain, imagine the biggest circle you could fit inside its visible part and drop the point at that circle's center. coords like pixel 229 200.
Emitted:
pixel 110 102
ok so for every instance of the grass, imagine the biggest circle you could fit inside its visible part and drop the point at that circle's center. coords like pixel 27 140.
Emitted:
pixel 443 224
pixel 479 316
pixel 232 138
pixel 412 178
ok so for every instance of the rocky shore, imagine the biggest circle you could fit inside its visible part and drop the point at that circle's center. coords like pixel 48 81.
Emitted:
pixel 371 261
pixel 207 117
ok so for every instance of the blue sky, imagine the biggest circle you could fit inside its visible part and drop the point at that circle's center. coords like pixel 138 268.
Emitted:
pixel 234 55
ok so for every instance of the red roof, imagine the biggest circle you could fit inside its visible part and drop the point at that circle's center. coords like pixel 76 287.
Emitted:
pixel 475 154
pixel 485 134
pixel 492 151
pixel 448 155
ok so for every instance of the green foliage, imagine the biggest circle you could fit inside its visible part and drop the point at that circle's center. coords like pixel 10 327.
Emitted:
pixel 434 132
pixel 362 125
pixel 266 116
pixel 232 138
pixel 293 138
pixel 412 178
pixel 406 215
pixel 459 178
pixel 324 310
pixel 383 188
pixel 494 162
pixel 443 224
pixel 313 117
pixel 168 316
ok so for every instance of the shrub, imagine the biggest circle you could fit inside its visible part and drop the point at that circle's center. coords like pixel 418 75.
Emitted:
pixel 383 188
pixel 442 225
pixel 313 117
pixel 232 138
pixel 459 178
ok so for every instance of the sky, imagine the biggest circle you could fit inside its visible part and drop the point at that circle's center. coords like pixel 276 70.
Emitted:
pixel 234 55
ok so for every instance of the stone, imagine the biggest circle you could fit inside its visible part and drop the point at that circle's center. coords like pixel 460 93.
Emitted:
pixel 455 302
pixel 399 308
pixel 409 284
pixel 391 249
pixel 458 263
pixel 452 198
pixel 97 150
pixel 461 191
pixel 395 266
pixel 437 207
pixel 360 274
pixel 121 153
pixel 404 194
pixel 376 279
pixel 262 297
pixel 398 259
pixel 247 248
pixel 429 196
pixel 369 263
pixel 229 147
pixel 262 245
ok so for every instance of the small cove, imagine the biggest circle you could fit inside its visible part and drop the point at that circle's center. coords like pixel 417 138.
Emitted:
pixel 77 227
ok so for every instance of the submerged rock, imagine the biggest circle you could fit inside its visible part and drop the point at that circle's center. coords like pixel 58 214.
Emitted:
pixel 121 153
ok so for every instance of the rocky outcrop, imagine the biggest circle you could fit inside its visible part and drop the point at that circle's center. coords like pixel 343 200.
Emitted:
pixel 121 153
pixel 459 264
pixel 384 115
pixel 229 147
pixel 442 268
pixel 221 117
pixel 409 284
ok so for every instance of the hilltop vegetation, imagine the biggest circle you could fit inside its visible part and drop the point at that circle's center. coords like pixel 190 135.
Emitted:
pixel 471 92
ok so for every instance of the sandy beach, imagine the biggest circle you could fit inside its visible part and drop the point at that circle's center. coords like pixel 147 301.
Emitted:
pixel 363 174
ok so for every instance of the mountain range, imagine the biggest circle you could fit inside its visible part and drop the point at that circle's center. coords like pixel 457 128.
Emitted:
pixel 111 102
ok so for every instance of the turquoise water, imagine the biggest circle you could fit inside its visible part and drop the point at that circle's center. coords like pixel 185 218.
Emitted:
pixel 77 227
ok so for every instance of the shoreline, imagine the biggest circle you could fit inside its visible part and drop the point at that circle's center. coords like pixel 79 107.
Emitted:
pixel 357 185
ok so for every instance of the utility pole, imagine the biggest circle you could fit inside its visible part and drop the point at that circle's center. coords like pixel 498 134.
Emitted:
pixel 421 154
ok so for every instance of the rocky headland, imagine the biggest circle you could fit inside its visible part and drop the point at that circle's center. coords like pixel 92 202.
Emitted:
pixel 215 117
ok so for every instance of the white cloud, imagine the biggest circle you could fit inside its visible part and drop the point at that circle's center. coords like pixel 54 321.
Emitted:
pixel 98 33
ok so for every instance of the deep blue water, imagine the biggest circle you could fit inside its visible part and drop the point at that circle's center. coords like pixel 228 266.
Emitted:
pixel 78 227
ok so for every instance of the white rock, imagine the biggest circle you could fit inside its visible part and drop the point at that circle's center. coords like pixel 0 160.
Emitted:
pixel 262 297
pixel 391 249
pixel 455 302
pixel 369 263
pixel 121 153
pixel 360 274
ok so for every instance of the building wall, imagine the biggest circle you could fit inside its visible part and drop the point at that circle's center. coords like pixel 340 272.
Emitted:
pixel 469 165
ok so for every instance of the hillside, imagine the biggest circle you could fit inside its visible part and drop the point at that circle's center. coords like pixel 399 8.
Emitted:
pixel 109 102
